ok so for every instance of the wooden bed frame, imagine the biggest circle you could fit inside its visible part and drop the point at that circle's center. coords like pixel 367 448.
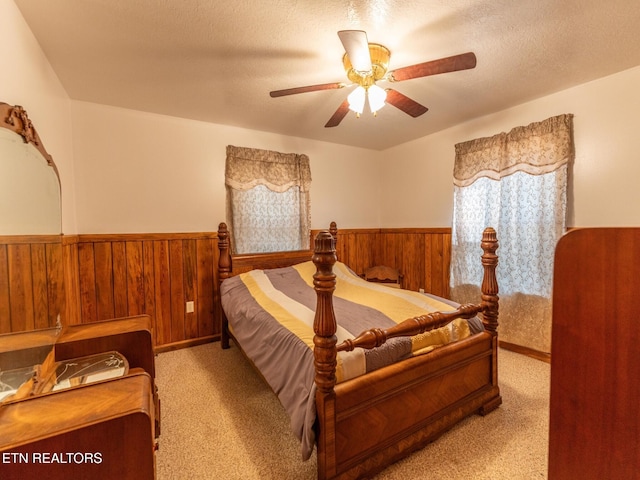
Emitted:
pixel 401 407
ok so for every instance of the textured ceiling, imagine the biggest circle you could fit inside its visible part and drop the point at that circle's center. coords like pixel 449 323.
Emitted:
pixel 216 61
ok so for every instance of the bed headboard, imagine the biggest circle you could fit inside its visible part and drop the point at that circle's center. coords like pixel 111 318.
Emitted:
pixel 230 264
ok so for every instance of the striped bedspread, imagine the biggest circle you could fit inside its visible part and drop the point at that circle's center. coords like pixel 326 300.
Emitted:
pixel 271 314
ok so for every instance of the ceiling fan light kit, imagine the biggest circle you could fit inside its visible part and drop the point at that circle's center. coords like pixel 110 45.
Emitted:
pixel 367 63
pixel 374 94
pixel 378 63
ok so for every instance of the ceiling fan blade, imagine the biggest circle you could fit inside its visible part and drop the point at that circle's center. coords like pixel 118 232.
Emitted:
pixel 340 113
pixel 310 88
pixel 357 47
pixel 463 61
pixel 404 103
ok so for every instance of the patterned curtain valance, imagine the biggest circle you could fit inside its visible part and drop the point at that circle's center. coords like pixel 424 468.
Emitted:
pixel 247 168
pixel 536 149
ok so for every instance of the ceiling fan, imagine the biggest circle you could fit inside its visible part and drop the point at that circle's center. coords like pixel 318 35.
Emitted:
pixel 367 63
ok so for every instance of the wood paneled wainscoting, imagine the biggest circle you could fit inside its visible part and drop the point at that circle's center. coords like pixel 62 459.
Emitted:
pixel 153 274
pixel 31 282
pixel 88 278
pixel 422 255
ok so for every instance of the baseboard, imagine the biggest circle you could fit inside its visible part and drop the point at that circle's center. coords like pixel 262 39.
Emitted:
pixel 168 347
pixel 529 352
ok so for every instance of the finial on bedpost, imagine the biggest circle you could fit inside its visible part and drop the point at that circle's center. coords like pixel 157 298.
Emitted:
pixel 324 323
pixel 489 282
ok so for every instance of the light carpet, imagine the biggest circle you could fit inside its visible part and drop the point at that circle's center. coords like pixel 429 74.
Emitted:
pixel 221 421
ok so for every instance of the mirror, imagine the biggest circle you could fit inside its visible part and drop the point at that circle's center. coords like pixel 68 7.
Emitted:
pixel 32 289
pixel 30 202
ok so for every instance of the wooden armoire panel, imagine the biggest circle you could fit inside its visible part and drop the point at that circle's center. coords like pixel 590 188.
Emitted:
pixel 594 430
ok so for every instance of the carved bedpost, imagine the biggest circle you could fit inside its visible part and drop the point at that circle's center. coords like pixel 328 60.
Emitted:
pixel 490 310
pixel 324 352
pixel 324 323
pixel 224 264
pixel 224 271
pixel 333 230
pixel 489 282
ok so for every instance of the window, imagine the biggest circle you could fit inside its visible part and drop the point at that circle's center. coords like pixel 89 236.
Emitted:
pixel 268 203
pixel 515 183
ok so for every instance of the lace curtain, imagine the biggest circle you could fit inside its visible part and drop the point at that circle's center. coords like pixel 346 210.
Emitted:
pixel 515 182
pixel 268 203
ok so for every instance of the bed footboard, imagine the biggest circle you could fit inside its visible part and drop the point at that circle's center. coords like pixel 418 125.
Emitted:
pixel 406 407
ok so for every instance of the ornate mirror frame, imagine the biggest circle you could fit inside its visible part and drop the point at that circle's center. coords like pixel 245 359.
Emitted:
pixel 15 118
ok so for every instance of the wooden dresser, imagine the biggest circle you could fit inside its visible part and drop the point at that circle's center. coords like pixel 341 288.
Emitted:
pixel 103 430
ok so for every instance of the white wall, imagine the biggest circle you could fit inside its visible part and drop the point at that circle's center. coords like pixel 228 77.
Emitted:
pixel 140 172
pixel 418 189
pixel 124 171
pixel 28 80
